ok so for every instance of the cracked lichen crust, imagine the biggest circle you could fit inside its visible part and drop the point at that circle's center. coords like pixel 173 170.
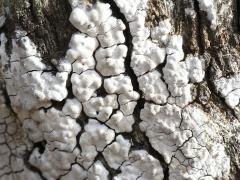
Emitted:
pixel 142 166
pixel 229 88
pixel 116 153
pixel 95 138
pixel 187 140
pixel 121 104
pixel 101 107
pixel 156 90
pixel 29 83
pixel 60 132
pixel 85 84
pixel 110 61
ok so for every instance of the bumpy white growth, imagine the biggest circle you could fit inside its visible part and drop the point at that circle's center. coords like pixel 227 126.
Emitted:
pixel 128 102
pixel 81 46
pixel 178 74
pixel 100 108
pixel 121 123
pixel 110 61
pixel 116 153
pixel 130 8
pixel 146 56
pixel 93 140
pixel 154 89
pixel 161 32
pixel 184 138
pixel 81 65
pixel 85 84
pixel 88 20
pixel 118 84
pixel 114 36
pixel 98 22
pixel 79 56
pixel 195 69
pixel 53 163
pixel 182 133
pixel 229 88
pixel 27 85
pixel 72 108
pixel 174 48
pixel 98 172
pixel 58 129
pixel 77 172
pixel 142 166
pixel 210 7
pixel 159 123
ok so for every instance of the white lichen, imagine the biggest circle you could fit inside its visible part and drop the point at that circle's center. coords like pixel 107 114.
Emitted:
pixel 118 84
pixel 58 129
pixel 81 65
pixel 186 139
pixel 76 172
pixel 52 163
pixel 95 138
pixel 146 56
pixel 72 108
pixel 229 88
pixel 100 108
pixel 85 84
pixel 121 123
pixel 110 61
pixel 154 89
pixel 209 6
pixel 128 102
pixel 45 117
pixel 88 20
pixel 28 86
pixel 81 46
pixel 98 171
pixel 142 166
pixel 116 153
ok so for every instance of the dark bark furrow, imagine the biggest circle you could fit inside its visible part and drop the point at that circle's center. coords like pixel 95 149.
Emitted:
pixel 140 103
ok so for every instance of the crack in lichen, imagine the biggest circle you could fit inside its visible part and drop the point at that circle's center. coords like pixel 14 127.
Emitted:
pixel 135 84
pixel 30 166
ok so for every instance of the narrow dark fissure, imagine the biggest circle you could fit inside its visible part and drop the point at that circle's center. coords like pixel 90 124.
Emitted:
pixel 139 139
pixel 101 90
pixel 82 120
pixel 146 145
pixel 112 172
pixel 41 147
pixel 159 68
pixel 199 24
pixel 128 42
pixel 214 94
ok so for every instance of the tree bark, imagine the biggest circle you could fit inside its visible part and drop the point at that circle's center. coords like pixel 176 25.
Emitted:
pixel 47 25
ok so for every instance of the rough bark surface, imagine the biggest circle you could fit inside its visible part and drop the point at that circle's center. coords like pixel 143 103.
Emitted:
pixel 47 25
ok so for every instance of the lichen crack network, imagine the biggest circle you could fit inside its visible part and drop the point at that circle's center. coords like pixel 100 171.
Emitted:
pixel 116 80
